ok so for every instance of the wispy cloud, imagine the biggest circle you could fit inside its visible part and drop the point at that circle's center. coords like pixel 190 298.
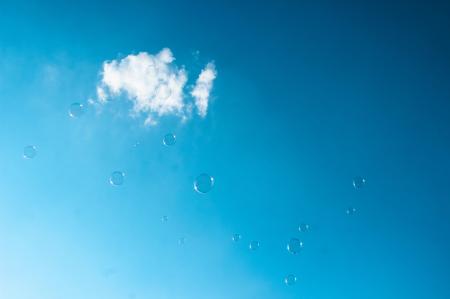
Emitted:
pixel 202 89
pixel 154 85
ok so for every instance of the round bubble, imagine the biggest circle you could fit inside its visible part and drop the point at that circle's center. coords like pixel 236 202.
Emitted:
pixel 117 178
pixel 203 183
pixel 294 246
pixel 350 211
pixel 76 110
pixel 236 237
pixel 254 245
pixel 169 139
pixel 29 152
pixel 303 227
pixel 359 182
pixel 290 279
pixel 164 218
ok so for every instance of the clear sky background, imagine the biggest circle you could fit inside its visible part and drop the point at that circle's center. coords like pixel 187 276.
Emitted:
pixel 308 95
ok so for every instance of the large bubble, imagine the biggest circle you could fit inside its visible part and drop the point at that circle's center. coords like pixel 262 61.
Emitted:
pixel 203 183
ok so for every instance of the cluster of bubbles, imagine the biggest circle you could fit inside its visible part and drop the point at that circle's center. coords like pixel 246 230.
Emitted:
pixel 203 184
pixel 294 247
pixel 358 183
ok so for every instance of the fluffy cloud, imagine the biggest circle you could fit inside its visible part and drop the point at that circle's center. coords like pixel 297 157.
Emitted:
pixel 154 85
pixel 202 89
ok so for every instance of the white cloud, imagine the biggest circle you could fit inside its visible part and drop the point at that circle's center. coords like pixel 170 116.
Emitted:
pixel 154 85
pixel 202 89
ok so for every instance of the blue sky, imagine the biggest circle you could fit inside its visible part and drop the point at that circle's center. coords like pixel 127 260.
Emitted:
pixel 308 95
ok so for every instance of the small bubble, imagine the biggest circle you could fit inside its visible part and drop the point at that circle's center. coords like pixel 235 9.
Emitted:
pixel 76 110
pixel 29 152
pixel 236 237
pixel 203 183
pixel 290 280
pixel 254 245
pixel 303 227
pixel 169 139
pixel 117 178
pixel 350 211
pixel 294 246
pixel 164 218
pixel 359 182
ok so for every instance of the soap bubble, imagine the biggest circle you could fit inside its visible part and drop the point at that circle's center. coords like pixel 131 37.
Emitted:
pixel 29 152
pixel 303 227
pixel 169 139
pixel 236 237
pixel 294 246
pixel 359 182
pixel 254 245
pixel 117 178
pixel 290 279
pixel 203 183
pixel 350 211
pixel 76 110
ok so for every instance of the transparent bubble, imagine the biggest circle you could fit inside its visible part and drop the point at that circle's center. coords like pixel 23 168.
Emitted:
pixel 236 237
pixel 169 139
pixel 117 178
pixel 359 182
pixel 350 211
pixel 181 241
pixel 254 245
pixel 203 183
pixel 303 227
pixel 294 246
pixel 290 280
pixel 29 152
pixel 76 110
pixel 164 218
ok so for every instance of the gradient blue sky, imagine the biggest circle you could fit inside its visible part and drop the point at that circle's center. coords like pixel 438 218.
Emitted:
pixel 309 94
